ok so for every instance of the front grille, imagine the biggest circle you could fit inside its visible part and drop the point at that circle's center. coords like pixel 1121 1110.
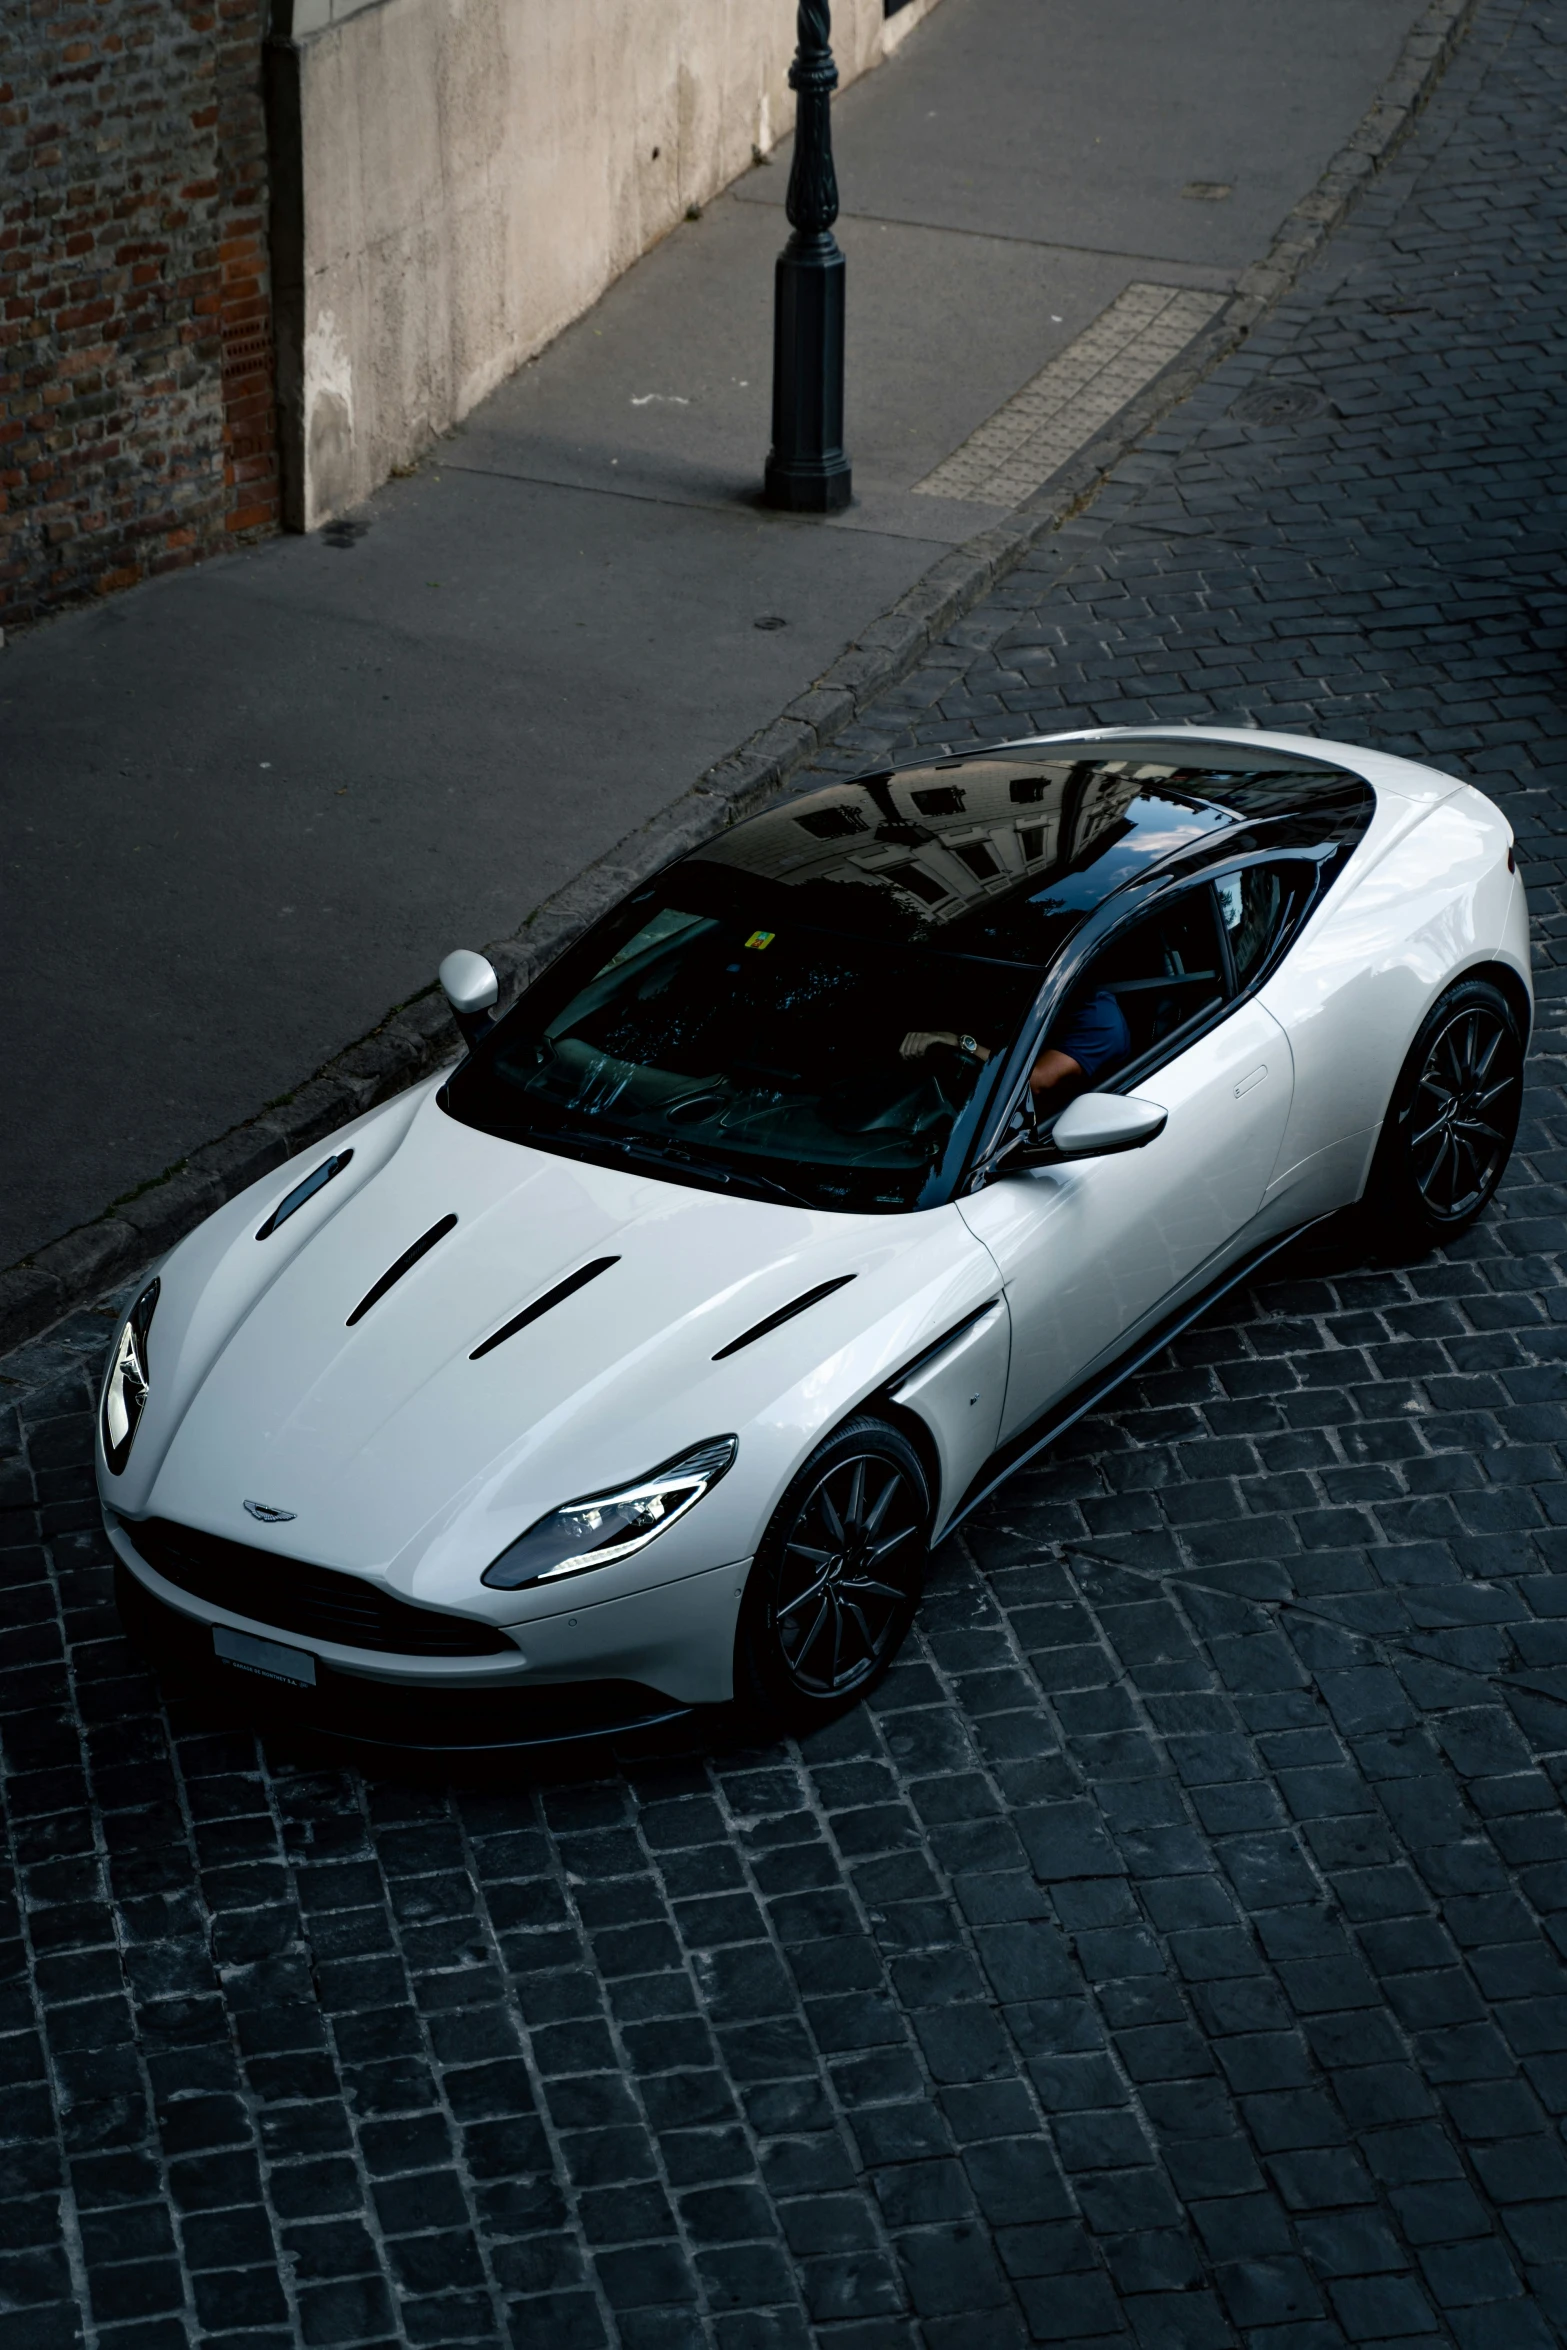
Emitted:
pixel 317 1603
pixel 423 1717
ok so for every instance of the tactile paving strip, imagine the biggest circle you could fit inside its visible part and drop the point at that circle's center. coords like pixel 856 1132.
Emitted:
pixel 1017 450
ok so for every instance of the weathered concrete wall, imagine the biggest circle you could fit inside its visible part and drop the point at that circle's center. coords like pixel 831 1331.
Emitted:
pixel 471 174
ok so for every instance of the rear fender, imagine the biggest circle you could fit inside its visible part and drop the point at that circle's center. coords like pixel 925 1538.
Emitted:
pixel 1353 991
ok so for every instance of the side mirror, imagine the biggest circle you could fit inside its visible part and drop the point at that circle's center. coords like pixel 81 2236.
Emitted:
pixel 470 986
pixel 1097 1123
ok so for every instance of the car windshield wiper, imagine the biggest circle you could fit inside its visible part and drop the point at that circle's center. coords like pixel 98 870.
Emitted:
pixel 675 1161
pixel 719 1173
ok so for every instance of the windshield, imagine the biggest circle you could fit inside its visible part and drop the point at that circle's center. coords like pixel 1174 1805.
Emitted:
pixel 705 1028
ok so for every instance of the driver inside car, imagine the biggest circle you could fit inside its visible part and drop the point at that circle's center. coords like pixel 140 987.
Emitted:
pixel 1090 1038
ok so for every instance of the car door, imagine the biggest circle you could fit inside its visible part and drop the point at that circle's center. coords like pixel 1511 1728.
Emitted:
pixel 1090 1249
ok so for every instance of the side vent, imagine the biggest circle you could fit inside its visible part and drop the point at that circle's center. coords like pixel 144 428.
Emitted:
pixel 405 1264
pixel 784 1314
pixel 543 1305
pixel 295 1199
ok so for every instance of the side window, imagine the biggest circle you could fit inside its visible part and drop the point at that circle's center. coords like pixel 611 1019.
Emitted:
pixel 1143 988
pixel 1255 906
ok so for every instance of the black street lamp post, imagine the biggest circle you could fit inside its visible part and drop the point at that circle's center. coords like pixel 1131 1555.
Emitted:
pixel 807 471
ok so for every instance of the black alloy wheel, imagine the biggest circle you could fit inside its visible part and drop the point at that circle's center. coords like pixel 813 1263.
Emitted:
pixel 837 1578
pixel 1453 1119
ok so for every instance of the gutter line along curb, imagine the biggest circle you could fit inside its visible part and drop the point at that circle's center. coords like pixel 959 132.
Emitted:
pixel 416 1037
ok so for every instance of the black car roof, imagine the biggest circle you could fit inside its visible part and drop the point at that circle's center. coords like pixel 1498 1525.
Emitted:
pixel 1006 851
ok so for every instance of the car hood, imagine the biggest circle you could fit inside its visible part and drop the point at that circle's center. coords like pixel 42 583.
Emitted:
pixel 384 1436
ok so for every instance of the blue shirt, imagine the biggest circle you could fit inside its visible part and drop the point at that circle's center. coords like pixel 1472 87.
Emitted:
pixel 1093 1033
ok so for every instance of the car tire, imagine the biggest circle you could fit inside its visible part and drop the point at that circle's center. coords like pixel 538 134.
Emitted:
pixel 1450 1126
pixel 837 1578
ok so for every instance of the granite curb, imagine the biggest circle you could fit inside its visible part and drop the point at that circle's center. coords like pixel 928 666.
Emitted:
pixel 416 1037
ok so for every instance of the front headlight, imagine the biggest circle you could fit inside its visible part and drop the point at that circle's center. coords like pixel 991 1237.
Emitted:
pixel 125 1389
pixel 613 1525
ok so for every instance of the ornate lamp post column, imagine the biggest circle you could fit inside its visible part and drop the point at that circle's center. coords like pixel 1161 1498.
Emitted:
pixel 807 471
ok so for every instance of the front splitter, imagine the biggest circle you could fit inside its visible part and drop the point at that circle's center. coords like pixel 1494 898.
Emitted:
pixel 359 1713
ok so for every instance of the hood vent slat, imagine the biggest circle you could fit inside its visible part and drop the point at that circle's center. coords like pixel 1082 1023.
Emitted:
pixel 784 1314
pixel 296 1199
pixel 542 1305
pixel 405 1264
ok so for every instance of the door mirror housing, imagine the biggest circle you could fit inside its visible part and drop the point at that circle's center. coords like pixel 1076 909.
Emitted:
pixel 470 986
pixel 1098 1123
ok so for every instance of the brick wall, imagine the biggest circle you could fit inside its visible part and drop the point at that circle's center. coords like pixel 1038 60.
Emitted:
pixel 135 387
pixel 250 473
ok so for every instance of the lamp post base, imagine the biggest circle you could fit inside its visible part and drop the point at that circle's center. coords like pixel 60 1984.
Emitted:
pixel 807 470
pixel 795 489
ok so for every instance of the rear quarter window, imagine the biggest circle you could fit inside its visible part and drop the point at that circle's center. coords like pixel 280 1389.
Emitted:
pixel 1260 909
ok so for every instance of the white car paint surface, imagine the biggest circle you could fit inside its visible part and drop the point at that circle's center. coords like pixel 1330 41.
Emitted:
pixel 404 1462
pixel 1084 1260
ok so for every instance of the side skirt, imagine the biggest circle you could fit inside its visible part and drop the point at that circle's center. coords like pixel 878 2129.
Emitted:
pixel 1053 1424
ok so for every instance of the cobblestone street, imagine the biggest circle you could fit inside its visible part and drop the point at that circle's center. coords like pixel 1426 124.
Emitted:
pixel 1174 1952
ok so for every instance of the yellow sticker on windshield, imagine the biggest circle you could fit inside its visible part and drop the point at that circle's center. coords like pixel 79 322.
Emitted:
pixel 761 938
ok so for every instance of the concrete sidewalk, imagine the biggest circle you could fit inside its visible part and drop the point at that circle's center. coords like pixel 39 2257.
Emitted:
pixel 247 809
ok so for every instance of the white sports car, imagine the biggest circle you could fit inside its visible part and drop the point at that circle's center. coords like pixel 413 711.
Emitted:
pixel 636 1362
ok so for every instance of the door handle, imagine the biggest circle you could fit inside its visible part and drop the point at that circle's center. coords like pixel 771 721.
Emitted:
pixel 1253 1078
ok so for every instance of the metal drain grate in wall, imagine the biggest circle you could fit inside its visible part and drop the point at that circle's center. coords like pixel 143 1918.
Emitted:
pixel 248 353
pixel 1017 450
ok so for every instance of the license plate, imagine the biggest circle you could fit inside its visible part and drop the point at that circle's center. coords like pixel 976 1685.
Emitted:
pixel 267 1657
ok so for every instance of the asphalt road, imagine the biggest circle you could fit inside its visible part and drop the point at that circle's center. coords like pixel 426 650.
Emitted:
pixel 244 811
pixel 1172 1954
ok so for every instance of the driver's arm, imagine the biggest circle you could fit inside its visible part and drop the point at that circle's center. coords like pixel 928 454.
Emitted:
pixel 1052 1068
pixel 1091 1038
pixel 919 1041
